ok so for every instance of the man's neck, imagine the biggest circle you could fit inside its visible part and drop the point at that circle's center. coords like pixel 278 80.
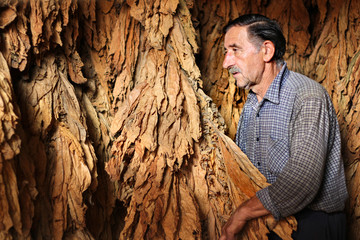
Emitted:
pixel 271 70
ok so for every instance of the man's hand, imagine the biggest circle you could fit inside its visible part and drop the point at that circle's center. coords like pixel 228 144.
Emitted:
pixel 250 209
pixel 233 226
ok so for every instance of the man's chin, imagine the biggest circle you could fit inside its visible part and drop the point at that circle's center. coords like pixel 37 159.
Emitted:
pixel 242 85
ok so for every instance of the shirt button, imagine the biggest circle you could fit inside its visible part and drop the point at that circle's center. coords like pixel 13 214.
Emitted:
pixel 258 163
pixel 257 139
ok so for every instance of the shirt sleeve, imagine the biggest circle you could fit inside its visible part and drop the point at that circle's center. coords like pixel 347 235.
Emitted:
pixel 300 180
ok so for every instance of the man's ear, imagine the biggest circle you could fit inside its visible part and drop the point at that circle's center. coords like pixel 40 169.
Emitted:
pixel 268 49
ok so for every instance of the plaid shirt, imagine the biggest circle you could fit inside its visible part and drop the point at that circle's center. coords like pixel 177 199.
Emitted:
pixel 292 136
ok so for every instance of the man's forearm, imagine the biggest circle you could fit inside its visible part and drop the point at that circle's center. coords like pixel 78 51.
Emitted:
pixel 253 208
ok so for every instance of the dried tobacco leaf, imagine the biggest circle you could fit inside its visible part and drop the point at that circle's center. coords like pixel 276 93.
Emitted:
pixel 10 215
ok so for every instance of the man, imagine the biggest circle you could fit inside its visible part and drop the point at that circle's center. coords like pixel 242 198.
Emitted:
pixel 289 130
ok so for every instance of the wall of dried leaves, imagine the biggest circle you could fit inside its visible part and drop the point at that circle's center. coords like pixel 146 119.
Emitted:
pixel 116 117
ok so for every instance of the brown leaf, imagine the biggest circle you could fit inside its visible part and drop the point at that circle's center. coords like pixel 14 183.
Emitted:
pixel 6 17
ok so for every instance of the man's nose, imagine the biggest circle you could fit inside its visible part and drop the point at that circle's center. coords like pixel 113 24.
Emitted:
pixel 228 60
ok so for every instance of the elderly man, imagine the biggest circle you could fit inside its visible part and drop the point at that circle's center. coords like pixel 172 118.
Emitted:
pixel 289 130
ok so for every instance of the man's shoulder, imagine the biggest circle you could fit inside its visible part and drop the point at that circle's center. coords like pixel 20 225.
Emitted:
pixel 304 86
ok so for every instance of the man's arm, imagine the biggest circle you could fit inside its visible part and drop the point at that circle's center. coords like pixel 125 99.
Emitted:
pixel 250 209
pixel 300 180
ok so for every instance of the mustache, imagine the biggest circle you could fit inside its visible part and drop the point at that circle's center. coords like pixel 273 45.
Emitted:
pixel 234 69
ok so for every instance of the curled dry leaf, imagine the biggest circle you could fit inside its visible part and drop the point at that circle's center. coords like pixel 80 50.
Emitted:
pixel 70 158
pixel 351 124
pixel 6 17
pixel 10 216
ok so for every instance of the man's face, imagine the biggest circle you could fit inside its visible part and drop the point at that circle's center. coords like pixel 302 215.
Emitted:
pixel 243 59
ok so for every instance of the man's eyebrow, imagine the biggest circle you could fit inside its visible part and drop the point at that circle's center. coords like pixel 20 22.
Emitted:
pixel 233 45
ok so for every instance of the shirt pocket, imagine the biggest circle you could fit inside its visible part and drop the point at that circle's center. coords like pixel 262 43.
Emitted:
pixel 278 154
